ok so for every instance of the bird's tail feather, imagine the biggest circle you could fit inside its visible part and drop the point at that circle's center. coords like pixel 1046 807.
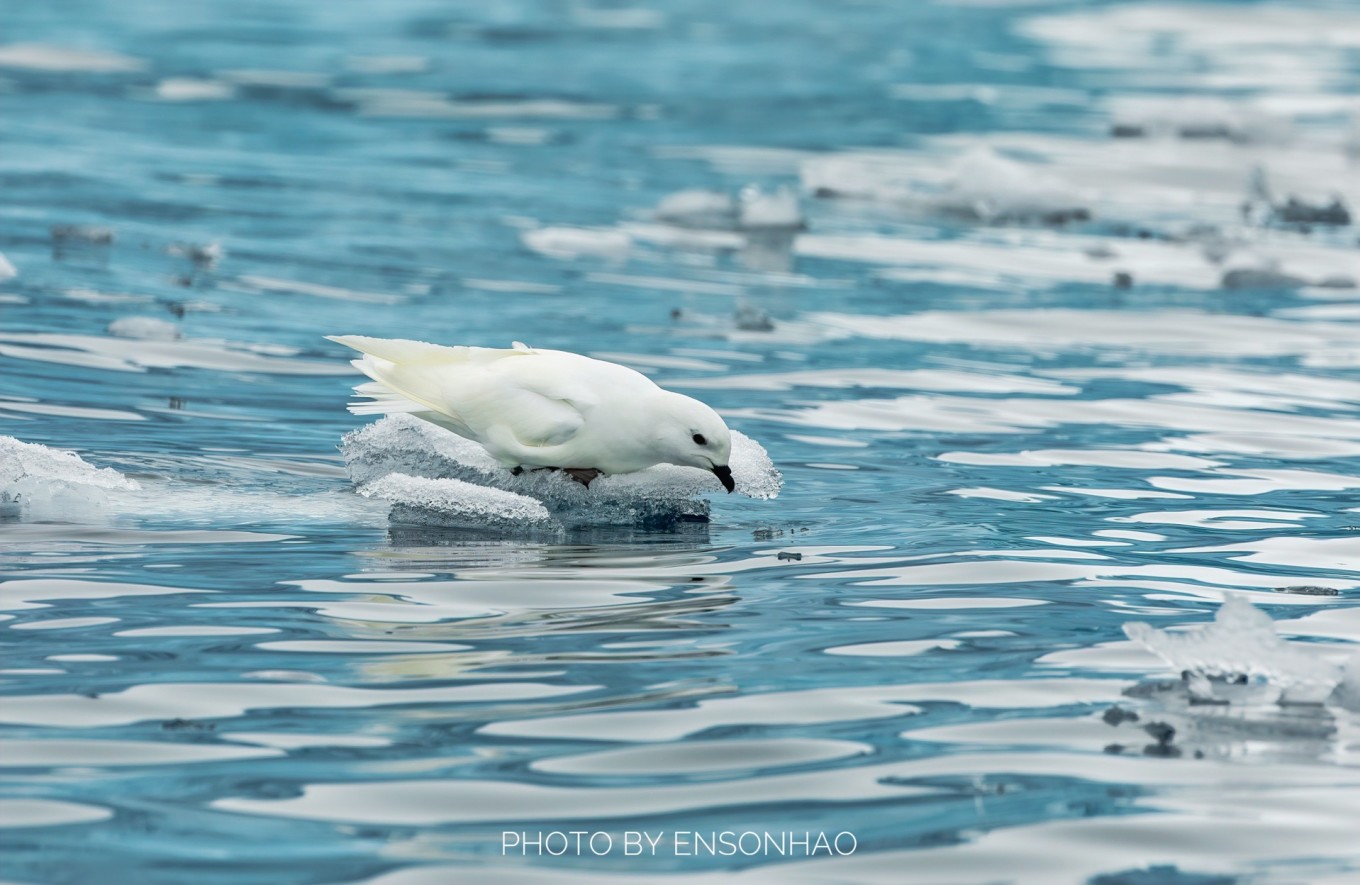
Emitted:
pixel 382 400
pixel 404 351
pixel 406 375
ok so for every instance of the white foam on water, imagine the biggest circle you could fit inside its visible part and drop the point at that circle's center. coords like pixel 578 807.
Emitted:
pixel 437 477
pixel 37 482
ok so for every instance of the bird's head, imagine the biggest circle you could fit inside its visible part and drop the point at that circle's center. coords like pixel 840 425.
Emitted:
pixel 693 435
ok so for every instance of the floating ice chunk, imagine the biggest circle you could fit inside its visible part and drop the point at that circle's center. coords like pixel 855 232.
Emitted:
pixel 144 329
pixel 456 503
pixel 982 185
pixel 698 208
pixel 37 482
pixel 7 270
pixel 436 476
pixel 770 211
pixel 991 188
pixel 577 242
pixel 193 89
pixel 1242 642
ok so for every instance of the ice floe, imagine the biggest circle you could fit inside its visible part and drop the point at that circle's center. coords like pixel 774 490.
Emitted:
pixel 37 482
pixel 435 477
pixel 1242 642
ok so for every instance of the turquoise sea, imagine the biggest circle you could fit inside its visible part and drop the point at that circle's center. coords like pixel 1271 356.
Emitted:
pixel 1045 311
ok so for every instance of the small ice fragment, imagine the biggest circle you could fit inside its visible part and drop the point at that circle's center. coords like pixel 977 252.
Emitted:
pixel 1347 692
pixel 988 187
pixel 193 89
pixel 37 482
pixel 1240 641
pixel 982 186
pixel 1197 119
pixel 698 208
pixel 7 270
pixel 769 211
pixel 578 242
pixel 204 256
pixel 752 319
pixel 144 329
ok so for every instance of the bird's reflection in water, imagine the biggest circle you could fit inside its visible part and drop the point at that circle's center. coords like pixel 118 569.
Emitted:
pixel 597 596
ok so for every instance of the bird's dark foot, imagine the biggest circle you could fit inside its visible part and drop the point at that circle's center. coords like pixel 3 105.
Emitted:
pixel 517 471
pixel 583 475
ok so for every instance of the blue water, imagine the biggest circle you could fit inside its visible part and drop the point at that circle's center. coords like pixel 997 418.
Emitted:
pixel 993 456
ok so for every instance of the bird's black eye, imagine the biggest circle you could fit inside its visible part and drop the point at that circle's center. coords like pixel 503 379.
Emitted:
pixel 699 439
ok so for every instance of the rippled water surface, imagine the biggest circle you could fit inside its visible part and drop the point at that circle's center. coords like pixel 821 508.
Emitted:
pixel 1047 352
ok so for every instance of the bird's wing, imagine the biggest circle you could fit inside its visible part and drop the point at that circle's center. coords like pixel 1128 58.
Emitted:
pixel 478 392
pixel 534 421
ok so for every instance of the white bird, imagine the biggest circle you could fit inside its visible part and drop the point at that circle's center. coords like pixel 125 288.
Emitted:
pixel 542 409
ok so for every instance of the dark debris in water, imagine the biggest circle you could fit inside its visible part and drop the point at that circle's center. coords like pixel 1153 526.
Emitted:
pixel 1260 278
pixel 1298 212
pixel 178 724
pixel 1152 688
pixel 81 233
pixel 1117 715
pixel 1308 590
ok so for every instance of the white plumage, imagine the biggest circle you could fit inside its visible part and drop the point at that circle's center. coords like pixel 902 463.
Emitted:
pixel 542 408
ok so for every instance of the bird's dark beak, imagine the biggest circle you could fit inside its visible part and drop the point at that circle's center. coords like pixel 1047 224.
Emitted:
pixel 724 475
